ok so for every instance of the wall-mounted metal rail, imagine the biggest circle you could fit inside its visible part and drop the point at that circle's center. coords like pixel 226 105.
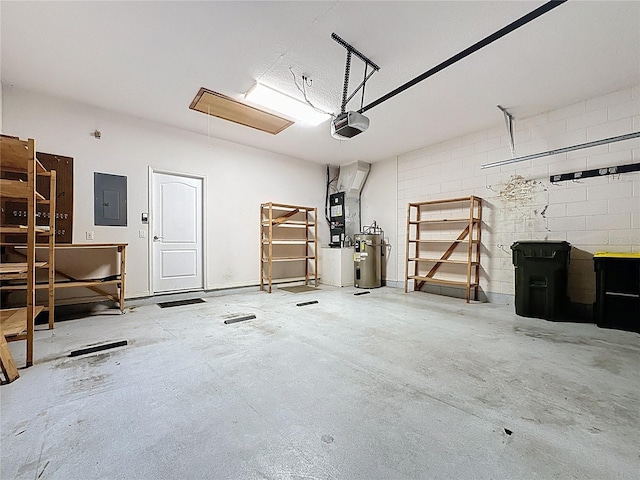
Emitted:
pixel 580 146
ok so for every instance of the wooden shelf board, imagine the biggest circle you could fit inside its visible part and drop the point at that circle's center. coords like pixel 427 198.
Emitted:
pixel 18 267
pixel 73 245
pixel 439 281
pixel 15 155
pixel 443 220
pixel 14 320
pixel 287 223
pixel 440 241
pixel 281 206
pixel 16 189
pixel 285 242
pixel 438 260
pixel 22 230
pixel 287 259
pixel 449 200
pixel 63 284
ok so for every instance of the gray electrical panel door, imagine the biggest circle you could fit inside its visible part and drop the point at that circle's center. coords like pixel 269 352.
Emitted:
pixel 110 199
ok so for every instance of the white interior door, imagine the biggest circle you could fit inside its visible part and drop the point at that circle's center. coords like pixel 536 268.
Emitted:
pixel 176 232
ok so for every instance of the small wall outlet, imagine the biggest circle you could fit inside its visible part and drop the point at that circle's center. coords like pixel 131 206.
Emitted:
pixel 89 235
pixel 142 233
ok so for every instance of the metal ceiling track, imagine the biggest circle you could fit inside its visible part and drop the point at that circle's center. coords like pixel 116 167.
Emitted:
pixel 465 53
pixel 580 146
pixel 347 71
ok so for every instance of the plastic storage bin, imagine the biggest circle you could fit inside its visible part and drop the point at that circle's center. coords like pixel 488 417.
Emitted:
pixel 617 290
pixel 541 278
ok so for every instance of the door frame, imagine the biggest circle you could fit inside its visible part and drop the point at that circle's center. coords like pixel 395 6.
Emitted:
pixel 153 170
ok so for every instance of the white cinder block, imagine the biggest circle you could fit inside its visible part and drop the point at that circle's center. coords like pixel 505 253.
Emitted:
pixel 600 149
pixel 624 205
pixel 474 160
pixel 633 145
pixel 474 182
pixel 404 165
pixel 568 165
pixel 636 123
pixel 609 129
pixel 624 110
pixel 568 111
pixel 559 210
pixel 452 186
pixel 548 129
pixel 404 184
pixel 609 222
pixel 568 139
pixel 588 119
pixel 610 159
pixel 487 145
pixel 463 151
pixel 474 137
pixel 593 207
pixel 566 224
pixel 567 193
pixel 597 238
pixel 530 122
pixel 613 98
pixel 624 237
pixel 636 188
pixel 612 189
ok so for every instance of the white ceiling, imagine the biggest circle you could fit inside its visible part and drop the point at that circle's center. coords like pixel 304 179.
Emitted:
pixel 148 59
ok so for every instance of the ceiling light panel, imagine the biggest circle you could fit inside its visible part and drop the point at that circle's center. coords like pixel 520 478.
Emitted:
pixel 279 102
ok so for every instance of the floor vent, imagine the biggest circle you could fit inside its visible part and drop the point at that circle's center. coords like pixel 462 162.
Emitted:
pixel 180 303
pixel 98 348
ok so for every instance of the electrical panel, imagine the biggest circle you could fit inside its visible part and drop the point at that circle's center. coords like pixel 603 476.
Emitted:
pixel 110 199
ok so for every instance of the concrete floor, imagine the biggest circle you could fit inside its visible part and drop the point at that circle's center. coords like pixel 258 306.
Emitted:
pixel 380 386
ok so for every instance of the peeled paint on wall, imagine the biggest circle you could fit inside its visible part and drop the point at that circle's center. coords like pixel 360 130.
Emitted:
pixel 522 203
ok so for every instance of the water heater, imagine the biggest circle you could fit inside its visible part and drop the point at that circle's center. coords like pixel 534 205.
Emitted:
pixel 367 261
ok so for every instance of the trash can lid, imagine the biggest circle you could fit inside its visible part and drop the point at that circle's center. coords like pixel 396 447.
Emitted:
pixel 559 244
pixel 616 255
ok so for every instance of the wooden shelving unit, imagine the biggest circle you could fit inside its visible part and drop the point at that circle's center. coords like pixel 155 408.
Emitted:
pixel 19 169
pixel 437 246
pixel 65 281
pixel 288 233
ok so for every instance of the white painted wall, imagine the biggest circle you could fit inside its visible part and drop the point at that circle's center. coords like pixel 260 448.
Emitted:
pixel 520 203
pixel 379 203
pixel 238 179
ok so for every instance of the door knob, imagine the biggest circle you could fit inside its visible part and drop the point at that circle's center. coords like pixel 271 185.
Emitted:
pixel 156 238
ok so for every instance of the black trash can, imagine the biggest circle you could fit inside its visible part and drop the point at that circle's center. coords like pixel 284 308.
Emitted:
pixel 541 278
pixel 617 290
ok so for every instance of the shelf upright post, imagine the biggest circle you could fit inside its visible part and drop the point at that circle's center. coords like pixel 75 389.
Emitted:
pixel 31 248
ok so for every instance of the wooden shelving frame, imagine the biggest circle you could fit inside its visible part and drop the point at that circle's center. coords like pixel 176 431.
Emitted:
pixel 425 218
pixel 275 216
pixel 63 280
pixel 19 157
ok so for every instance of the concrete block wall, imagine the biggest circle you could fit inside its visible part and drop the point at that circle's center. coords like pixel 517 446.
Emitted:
pixel 520 203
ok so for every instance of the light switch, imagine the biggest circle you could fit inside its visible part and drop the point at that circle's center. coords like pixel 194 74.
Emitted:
pixel 90 235
pixel 142 233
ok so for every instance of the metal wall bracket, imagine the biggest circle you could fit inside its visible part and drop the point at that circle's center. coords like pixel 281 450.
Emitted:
pixel 509 121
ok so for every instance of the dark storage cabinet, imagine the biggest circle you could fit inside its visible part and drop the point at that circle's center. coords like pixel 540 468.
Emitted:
pixel 541 278
pixel 617 291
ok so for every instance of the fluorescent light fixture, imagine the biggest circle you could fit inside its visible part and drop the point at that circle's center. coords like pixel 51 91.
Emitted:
pixel 284 104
